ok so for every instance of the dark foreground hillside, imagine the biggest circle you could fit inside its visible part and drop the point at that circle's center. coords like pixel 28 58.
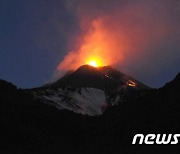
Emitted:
pixel 27 126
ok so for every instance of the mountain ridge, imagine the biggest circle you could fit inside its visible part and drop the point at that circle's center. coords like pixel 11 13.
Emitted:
pixel 29 125
pixel 77 90
pixel 86 74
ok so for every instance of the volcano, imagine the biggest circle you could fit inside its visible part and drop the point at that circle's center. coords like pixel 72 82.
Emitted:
pixel 97 77
pixel 88 90
pixel 89 110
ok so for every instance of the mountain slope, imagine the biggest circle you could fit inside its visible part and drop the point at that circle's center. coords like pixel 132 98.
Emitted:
pixel 30 126
pixel 100 78
pixel 88 90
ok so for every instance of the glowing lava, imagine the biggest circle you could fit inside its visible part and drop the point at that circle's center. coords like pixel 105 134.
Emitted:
pixel 97 48
pixel 93 63
pixel 131 83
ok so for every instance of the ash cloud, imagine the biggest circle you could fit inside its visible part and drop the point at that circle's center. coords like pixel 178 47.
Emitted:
pixel 138 37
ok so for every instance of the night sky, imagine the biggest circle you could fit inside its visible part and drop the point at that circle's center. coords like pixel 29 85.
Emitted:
pixel 35 36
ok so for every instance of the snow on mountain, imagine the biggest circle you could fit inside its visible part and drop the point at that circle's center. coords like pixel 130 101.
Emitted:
pixel 84 101
pixel 88 90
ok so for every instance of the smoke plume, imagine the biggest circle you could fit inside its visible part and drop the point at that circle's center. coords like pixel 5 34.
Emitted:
pixel 138 37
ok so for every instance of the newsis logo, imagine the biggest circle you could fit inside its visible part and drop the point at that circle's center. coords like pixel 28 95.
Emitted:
pixel 156 139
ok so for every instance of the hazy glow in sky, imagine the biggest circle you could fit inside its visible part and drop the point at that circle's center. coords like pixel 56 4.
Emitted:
pixel 138 37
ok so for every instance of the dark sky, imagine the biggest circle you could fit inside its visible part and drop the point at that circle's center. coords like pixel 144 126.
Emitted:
pixel 35 35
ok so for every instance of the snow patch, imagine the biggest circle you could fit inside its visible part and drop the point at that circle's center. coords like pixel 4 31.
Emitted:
pixel 84 100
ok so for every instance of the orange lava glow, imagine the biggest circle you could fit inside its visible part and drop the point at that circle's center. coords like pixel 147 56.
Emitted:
pixel 96 49
pixel 131 83
pixel 93 63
